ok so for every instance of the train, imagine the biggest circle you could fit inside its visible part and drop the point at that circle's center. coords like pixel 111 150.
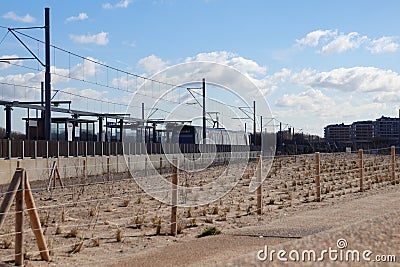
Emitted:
pixel 188 134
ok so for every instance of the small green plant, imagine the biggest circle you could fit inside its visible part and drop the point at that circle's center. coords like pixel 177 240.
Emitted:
pixel 192 222
pixel 73 232
pixel 96 242
pixel 92 212
pixel 125 203
pixel 7 243
pixel 138 221
pixel 77 247
pixel 59 230
pixel 63 215
pixel 215 210
pixel 204 212
pixel 119 235
pixel 179 228
pixel 210 231
pixel 50 246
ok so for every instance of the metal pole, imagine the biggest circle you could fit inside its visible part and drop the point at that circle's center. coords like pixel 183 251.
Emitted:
pixel 143 111
pixel 8 121
pixel 204 111
pixel 47 77
pixel 100 138
pixel 254 122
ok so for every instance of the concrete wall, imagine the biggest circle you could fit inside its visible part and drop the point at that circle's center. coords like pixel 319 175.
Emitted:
pixel 39 169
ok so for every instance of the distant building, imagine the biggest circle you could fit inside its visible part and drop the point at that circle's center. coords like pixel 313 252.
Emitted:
pixel 387 129
pixel 382 132
pixel 362 132
pixel 337 134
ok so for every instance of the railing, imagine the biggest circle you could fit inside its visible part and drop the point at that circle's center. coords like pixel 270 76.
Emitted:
pixel 45 149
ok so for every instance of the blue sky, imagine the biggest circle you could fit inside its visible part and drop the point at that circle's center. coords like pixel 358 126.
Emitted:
pixel 317 62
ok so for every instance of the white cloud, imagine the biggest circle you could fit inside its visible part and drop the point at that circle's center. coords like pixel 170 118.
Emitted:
pixel 387 97
pixel 361 79
pixel 383 44
pixel 332 42
pixel 99 39
pixel 6 64
pixel 121 4
pixel 246 66
pixel 152 63
pixel 344 42
pixel 269 84
pixel 313 38
pixel 81 16
pixel 310 100
pixel 13 16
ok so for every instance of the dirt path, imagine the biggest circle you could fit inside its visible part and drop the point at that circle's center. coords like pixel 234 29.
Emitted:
pixel 231 247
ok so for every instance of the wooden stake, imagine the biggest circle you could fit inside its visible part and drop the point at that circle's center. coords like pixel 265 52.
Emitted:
pixel 108 168
pixel 361 168
pixel 393 152
pixel 54 175
pixel 23 194
pixel 174 202
pixel 19 222
pixel 259 187
pixel 35 222
pixel 10 195
pixel 317 178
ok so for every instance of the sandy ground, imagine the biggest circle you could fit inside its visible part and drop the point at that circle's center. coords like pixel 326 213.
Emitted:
pixel 116 223
pixel 366 223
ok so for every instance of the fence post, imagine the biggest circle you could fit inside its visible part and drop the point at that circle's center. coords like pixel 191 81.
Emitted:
pixel 47 149
pixel 174 200
pixel 58 148
pixel 34 218
pixel 393 153
pixel 361 168
pixel 19 222
pixel 259 188
pixel 317 177
pixel 108 168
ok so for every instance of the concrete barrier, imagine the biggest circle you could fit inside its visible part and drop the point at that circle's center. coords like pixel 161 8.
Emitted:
pixel 69 167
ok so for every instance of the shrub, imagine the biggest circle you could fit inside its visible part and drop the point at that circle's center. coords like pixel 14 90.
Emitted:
pixel 210 231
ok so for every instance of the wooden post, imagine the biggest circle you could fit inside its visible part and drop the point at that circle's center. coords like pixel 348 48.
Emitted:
pixel 108 168
pixel 35 222
pixel 85 167
pixel 393 153
pixel 19 221
pixel 21 195
pixel 10 195
pixel 259 187
pixel 361 168
pixel 317 177
pixel 174 201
